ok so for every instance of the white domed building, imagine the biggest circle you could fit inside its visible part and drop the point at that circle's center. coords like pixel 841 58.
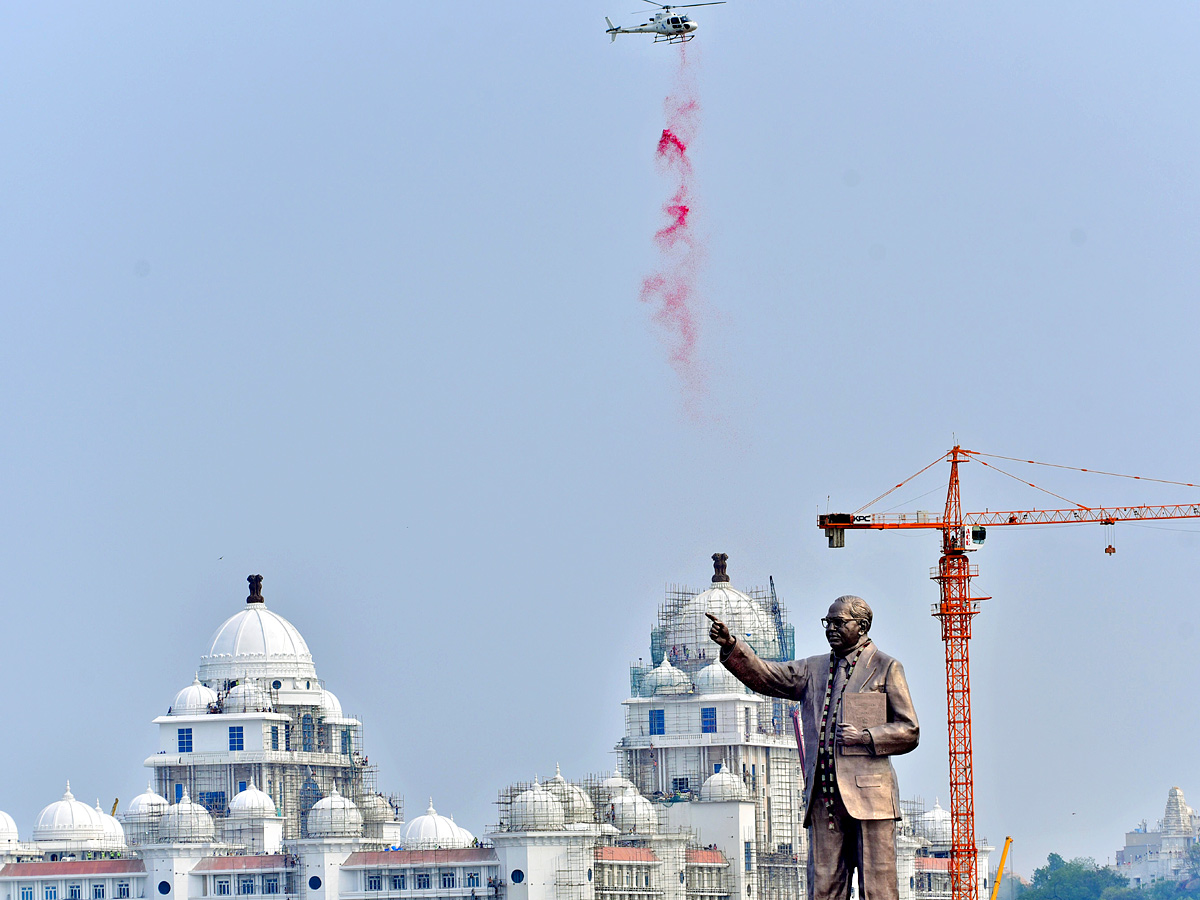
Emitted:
pixel 257 714
pixel 697 743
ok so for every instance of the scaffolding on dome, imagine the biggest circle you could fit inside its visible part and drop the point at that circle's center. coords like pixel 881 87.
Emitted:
pixel 690 648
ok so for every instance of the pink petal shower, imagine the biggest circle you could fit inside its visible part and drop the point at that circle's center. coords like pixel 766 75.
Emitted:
pixel 671 290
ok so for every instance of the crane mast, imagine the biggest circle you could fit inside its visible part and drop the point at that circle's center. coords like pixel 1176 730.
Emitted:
pixel 955 610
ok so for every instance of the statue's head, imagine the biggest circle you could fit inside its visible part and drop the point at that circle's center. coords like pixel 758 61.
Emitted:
pixel 847 622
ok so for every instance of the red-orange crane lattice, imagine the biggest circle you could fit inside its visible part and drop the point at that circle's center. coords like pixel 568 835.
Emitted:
pixel 956 608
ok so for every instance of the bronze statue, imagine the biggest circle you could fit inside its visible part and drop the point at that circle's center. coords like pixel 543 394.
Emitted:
pixel 855 712
pixel 255 589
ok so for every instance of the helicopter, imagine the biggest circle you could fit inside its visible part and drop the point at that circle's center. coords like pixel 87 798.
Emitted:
pixel 672 27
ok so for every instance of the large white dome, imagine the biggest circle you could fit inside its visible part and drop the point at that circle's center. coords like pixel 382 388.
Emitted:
pixel 434 832
pixel 256 643
pixel 745 618
pixel 8 829
pixel 186 822
pixel 193 700
pixel 335 816
pixel 68 819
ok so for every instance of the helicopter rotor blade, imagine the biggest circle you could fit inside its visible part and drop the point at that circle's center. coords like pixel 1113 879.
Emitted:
pixel 689 5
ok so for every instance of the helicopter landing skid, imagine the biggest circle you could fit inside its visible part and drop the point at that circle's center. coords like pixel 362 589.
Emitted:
pixel 673 38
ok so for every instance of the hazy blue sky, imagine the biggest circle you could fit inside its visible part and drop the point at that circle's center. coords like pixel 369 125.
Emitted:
pixel 345 294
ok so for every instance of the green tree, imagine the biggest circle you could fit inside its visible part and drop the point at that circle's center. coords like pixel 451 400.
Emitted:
pixel 1077 879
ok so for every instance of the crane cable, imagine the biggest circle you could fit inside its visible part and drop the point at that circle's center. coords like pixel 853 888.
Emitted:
pixel 975 454
pixel 1030 484
pixel 1034 462
pixel 902 484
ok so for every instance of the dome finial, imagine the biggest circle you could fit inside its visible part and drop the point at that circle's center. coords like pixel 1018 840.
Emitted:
pixel 67 795
pixel 719 561
pixel 255 589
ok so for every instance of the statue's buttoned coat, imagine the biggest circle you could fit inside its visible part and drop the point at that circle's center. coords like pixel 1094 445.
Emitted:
pixel 867 784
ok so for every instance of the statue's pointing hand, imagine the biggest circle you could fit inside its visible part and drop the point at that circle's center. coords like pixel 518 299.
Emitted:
pixel 719 632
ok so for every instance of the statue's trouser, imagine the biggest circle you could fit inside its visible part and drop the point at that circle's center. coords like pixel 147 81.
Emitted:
pixel 868 845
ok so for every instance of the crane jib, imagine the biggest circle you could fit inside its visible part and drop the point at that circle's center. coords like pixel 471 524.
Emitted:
pixel 1104 515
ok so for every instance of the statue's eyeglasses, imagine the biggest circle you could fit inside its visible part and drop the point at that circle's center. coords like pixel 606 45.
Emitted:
pixel 836 623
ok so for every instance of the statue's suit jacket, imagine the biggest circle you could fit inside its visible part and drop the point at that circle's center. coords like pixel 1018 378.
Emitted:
pixel 867 783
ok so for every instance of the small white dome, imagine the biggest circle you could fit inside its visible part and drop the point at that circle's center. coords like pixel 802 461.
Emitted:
pixel 376 810
pixel 68 819
pixel 335 816
pixel 193 700
pixel 634 813
pixel 186 822
pixel 114 834
pixel 330 706
pixel 724 785
pixel 937 823
pixel 244 697
pixel 616 785
pixel 434 832
pixel 716 679
pixel 148 804
pixel 666 679
pixel 252 804
pixel 257 643
pixel 8 829
pixel 536 810
pixel 578 808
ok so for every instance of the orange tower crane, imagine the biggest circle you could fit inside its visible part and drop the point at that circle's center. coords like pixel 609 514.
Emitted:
pixel 962 533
